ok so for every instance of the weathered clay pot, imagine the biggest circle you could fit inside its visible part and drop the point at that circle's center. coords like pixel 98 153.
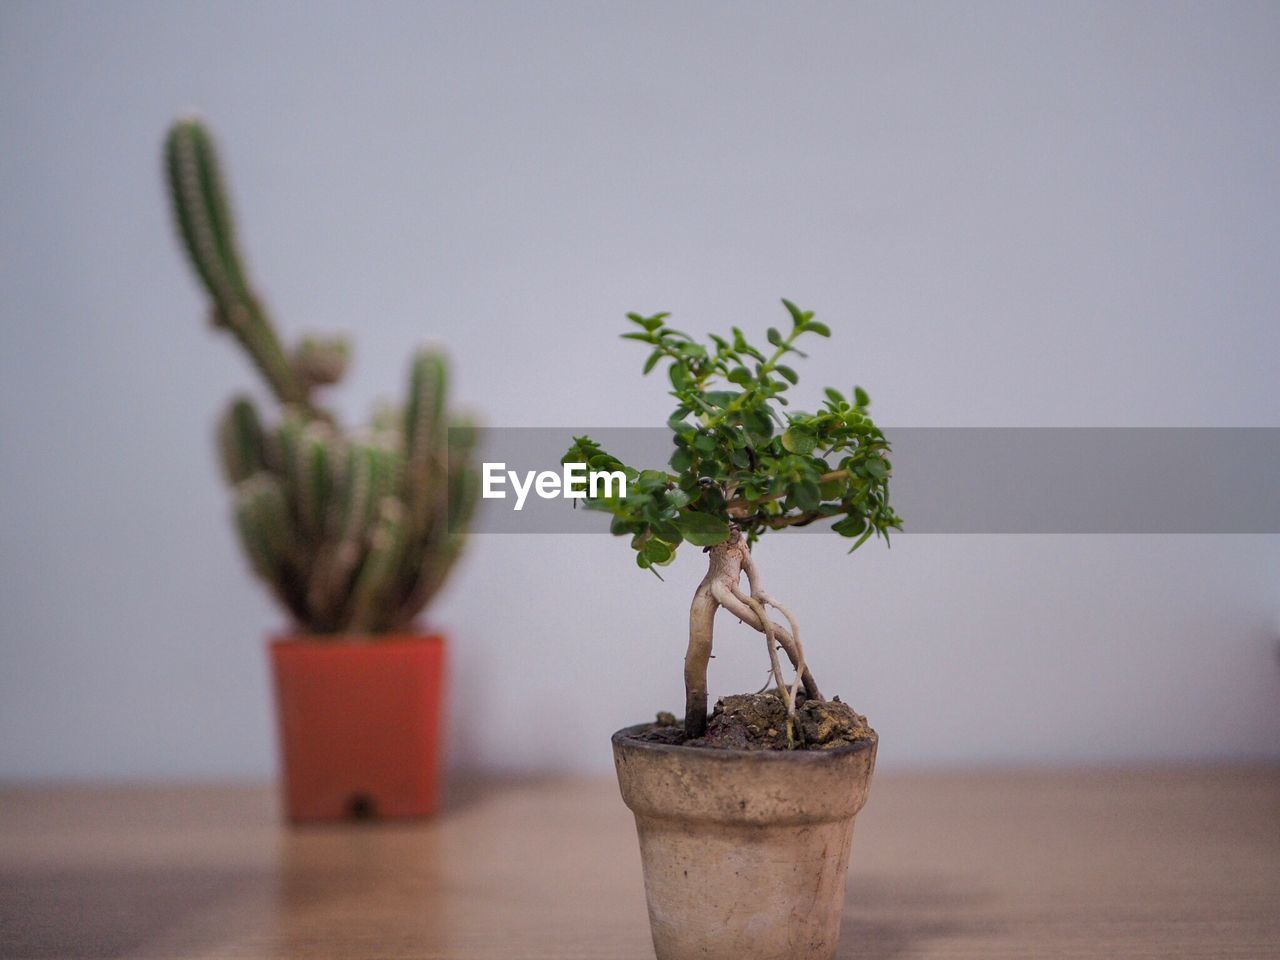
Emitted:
pixel 745 853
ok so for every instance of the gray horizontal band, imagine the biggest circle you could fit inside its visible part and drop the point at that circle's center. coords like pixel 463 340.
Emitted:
pixel 1183 480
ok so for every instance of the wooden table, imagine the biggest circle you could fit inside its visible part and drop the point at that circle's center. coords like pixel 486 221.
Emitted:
pixel 1115 864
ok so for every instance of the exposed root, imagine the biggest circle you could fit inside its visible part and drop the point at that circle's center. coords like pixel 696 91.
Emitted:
pixel 801 665
pixel 720 588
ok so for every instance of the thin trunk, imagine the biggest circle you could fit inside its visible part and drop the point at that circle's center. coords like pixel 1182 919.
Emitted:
pixel 726 562
pixel 702 616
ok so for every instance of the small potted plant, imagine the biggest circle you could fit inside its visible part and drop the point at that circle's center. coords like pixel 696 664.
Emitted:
pixel 745 818
pixel 354 533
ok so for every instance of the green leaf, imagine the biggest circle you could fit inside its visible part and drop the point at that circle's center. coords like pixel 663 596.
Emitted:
pixel 790 375
pixel 860 397
pixel 821 329
pixel 834 395
pixel 653 360
pixel 655 551
pixel 758 424
pixel 650 480
pixel 739 375
pixel 676 499
pixel 850 526
pixel 831 489
pixel 702 529
pixel 866 535
pixel 620 526
pixel 649 323
pixel 797 315
pixel 800 441
pixel 774 337
pixel 666 531
pixel 806 495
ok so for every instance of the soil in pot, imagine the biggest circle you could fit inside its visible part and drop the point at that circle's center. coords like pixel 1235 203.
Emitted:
pixel 758 721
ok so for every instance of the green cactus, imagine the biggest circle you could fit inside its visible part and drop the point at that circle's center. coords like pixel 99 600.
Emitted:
pixel 240 441
pixel 321 361
pixel 208 233
pixel 353 534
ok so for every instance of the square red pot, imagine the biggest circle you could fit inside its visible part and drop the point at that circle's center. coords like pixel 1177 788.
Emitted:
pixel 361 725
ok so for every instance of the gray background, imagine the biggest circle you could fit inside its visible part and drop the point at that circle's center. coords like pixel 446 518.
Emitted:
pixel 1012 215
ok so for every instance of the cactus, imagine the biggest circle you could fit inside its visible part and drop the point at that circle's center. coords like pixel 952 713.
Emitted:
pixel 208 232
pixel 354 534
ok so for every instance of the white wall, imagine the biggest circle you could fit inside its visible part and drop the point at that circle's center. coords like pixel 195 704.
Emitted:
pixel 1012 215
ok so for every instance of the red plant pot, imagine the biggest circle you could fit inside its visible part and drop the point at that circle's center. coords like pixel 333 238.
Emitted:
pixel 361 722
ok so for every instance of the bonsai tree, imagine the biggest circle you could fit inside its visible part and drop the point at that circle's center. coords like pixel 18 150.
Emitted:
pixel 353 532
pixel 743 467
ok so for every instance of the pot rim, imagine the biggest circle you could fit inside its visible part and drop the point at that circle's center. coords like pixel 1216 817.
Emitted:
pixel 293 638
pixel 626 738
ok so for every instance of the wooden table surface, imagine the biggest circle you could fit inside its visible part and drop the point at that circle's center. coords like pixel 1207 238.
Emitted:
pixel 1115 864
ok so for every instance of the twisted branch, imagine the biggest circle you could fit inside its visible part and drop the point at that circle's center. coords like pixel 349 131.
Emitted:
pixel 720 588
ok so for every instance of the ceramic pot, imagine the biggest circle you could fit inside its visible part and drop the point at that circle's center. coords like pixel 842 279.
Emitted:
pixel 745 853
pixel 360 723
